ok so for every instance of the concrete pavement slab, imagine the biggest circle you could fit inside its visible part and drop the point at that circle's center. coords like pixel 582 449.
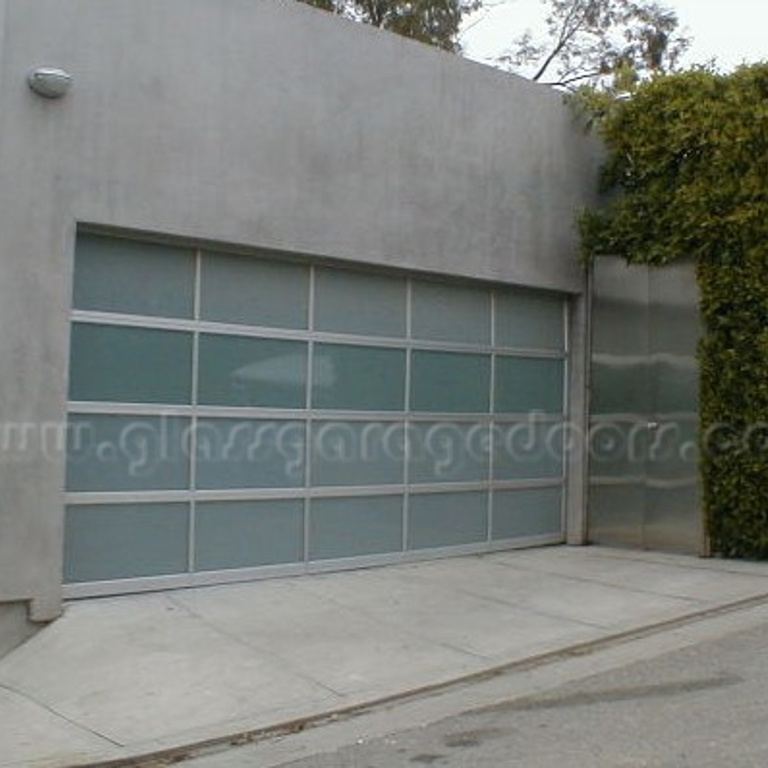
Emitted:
pixel 326 640
pixel 560 597
pixel 26 725
pixel 137 668
pixel 445 616
pixel 651 572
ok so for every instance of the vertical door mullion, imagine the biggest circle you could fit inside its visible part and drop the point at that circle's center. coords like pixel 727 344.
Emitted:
pixel 406 514
pixel 308 423
pixel 192 545
pixel 491 421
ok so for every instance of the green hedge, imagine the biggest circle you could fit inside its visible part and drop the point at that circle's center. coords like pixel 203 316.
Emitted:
pixel 688 154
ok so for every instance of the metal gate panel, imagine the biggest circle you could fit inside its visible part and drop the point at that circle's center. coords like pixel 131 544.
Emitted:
pixel 644 487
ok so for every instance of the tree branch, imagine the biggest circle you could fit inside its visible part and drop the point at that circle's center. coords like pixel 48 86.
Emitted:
pixel 567 32
pixel 569 81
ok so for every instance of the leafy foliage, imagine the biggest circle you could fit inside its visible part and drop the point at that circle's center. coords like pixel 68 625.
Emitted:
pixel 435 22
pixel 596 41
pixel 689 156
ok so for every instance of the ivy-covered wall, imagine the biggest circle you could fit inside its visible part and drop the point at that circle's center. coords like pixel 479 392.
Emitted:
pixel 688 157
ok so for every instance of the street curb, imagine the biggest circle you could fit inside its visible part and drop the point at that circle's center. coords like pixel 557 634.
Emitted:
pixel 173 755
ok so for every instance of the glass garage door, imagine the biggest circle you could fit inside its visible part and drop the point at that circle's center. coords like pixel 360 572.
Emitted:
pixel 234 416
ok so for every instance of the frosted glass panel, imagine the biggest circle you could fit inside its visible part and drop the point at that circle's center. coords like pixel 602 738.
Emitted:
pixel 248 290
pixel 357 453
pixel 528 512
pixel 351 527
pixel 234 453
pixel 450 382
pixel 442 452
pixel 354 302
pixel 243 534
pixel 236 370
pixel 120 541
pixel 130 365
pixel 444 312
pixel 358 378
pixel 114 275
pixel 530 321
pixel 447 519
pixel 127 453
pixel 526 384
pixel 527 450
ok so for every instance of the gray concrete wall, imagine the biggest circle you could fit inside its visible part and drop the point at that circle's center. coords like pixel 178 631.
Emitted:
pixel 15 626
pixel 246 122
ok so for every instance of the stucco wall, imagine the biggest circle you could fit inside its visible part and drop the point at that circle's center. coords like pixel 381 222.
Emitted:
pixel 253 122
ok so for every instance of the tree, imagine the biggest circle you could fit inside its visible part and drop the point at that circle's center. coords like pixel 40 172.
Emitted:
pixel 435 22
pixel 688 154
pixel 599 42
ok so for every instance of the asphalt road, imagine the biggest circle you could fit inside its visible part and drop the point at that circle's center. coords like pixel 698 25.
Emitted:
pixel 705 706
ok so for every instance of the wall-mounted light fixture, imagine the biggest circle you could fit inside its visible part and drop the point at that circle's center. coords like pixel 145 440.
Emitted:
pixel 49 82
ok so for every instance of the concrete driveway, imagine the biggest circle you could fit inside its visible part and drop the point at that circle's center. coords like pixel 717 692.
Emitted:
pixel 121 677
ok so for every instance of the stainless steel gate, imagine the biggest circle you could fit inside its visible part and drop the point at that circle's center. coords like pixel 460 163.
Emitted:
pixel 644 487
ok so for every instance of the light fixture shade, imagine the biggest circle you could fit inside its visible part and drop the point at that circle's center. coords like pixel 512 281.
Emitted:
pixel 49 82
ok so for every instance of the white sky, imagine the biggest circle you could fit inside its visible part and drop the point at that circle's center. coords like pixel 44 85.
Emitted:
pixel 731 31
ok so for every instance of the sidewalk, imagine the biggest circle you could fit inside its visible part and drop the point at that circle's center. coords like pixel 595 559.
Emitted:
pixel 127 676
